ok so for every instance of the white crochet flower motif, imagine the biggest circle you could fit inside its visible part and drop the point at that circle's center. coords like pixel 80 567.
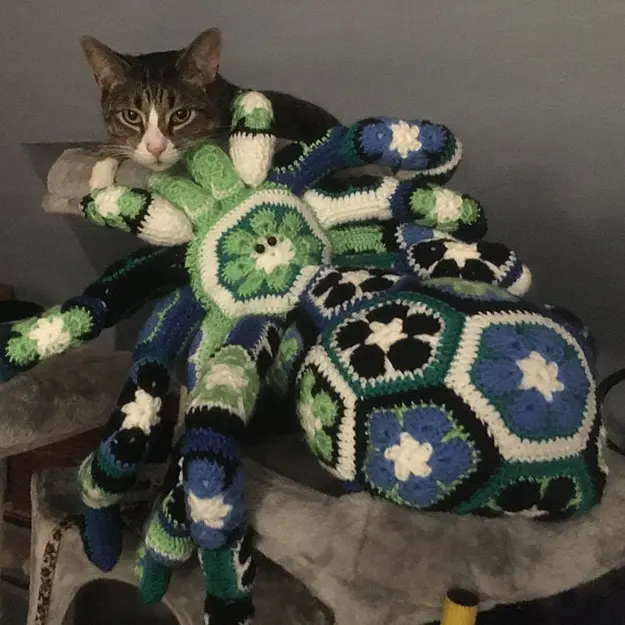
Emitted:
pixel 142 412
pixel 107 202
pixel 405 138
pixel 384 335
pixel 211 511
pixel 50 336
pixel 410 457
pixel 540 375
pixel 448 205
pixel 282 253
pixel 460 252
pixel 356 278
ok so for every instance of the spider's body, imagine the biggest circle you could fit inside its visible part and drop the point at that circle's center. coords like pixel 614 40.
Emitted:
pixel 418 371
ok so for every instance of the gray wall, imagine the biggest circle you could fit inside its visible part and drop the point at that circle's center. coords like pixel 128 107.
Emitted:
pixel 534 89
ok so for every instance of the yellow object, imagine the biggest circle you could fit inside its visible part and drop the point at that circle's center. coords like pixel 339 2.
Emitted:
pixel 460 608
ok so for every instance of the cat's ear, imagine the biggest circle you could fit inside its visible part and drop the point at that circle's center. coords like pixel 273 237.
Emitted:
pixel 199 61
pixel 108 67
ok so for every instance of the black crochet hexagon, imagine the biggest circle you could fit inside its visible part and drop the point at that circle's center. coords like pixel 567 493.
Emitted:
pixel 408 353
pixel 338 290
pixel 429 256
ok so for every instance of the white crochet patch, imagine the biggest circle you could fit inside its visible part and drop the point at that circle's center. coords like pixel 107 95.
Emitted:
pixel 165 225
pixel 345 468
pixel 210 511
pixel 373 204
pixel 251 156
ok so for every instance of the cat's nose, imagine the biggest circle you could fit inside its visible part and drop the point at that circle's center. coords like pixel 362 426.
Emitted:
pixel 156 147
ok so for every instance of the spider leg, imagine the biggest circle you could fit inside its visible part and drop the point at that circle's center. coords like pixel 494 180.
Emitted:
pixel 222 400
pixel 350 201
pixel 167 541
pixel 411 249
pixel 123 288
pixel 430 151
pixel 135 432
pixel 151 217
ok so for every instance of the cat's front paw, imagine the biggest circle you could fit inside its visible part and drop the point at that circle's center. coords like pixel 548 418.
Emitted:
pixel 103 173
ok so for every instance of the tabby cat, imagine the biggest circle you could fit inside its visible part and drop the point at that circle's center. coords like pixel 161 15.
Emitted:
pixel 155 105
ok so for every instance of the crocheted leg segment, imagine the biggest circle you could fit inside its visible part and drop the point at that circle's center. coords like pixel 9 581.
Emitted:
pixel 135 427
pixel 412 249
pixel 167 541
pixel 429 150
pixel 136 210
pixel 122 289
pixel 373 200
pixel 228 578
pixel 221 404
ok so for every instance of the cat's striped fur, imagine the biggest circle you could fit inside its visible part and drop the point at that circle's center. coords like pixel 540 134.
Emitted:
pixel 154 105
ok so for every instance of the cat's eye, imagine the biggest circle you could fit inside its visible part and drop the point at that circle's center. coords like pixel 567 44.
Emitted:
pixel 181 116
pixel 131 117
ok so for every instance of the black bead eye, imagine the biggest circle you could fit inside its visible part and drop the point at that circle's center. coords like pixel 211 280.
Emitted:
pixel 181 116
pixel 260 248
pixel 272 241
pixel 131 117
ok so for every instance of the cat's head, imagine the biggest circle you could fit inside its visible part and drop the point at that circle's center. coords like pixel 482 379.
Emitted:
pixel 155 105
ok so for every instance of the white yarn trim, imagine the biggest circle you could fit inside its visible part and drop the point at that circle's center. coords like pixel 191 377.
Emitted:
pixel 346 436
pixel 408 174
pixel 523 283
pixel 373 204
pixel 240 568
pixel 511 446
pixel 164 224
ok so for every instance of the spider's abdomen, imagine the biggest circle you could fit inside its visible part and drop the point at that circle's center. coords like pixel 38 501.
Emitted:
pixel 450 395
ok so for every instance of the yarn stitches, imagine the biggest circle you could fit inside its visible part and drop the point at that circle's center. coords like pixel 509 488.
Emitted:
pixel 371 306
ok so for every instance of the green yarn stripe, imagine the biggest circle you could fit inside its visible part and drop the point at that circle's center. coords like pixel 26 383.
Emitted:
pixel 371 261
pixel 153 578
pixel 358 239
pixel 220 578
pixel 184 194
pixel 176 549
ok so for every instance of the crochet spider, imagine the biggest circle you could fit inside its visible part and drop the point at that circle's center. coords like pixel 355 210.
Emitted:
pixel 417 371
